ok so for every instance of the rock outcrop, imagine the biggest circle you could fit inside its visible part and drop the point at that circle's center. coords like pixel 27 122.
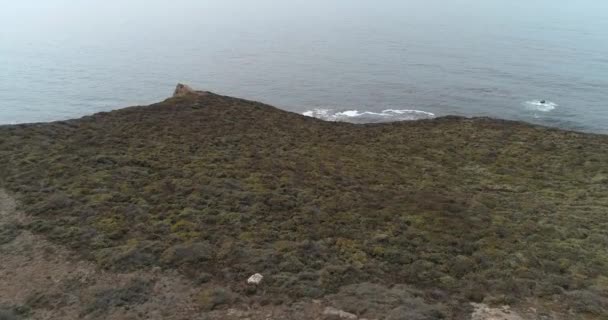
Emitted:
pixel 184 90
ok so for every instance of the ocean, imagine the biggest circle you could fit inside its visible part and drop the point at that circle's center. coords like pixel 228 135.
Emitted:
pixel 540 61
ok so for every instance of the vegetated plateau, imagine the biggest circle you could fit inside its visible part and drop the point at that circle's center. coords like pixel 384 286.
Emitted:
pixel 430 214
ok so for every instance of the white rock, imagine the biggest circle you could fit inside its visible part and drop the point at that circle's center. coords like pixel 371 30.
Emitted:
pixel 333 312
pixel 484 312
pixel 255 279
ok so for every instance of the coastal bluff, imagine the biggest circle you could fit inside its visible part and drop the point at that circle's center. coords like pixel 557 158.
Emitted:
pixel 166 211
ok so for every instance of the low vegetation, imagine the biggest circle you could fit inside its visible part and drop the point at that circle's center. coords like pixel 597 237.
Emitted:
pixel 427 214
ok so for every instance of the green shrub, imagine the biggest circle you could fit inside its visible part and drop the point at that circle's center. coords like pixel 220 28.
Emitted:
pixel 6 314
pixel 135 292
pixel 587 302
pixel 188 253
pixel 8 232
pixel 214 297
pixel 398 302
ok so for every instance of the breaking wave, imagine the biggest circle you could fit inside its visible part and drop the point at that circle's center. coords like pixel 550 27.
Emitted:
pixel 538 105
pixel 356 116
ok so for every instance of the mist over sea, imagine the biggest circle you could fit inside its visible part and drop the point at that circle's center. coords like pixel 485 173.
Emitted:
pixel 348 60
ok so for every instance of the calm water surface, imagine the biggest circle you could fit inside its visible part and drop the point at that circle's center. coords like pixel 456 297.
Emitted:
pixel 349 60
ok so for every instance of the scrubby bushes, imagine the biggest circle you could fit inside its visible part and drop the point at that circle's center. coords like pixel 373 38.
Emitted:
pixel 8 314
pixel 8 232
pixel 398 302
pixel 135 292
pixel 480 209
pixel 214 297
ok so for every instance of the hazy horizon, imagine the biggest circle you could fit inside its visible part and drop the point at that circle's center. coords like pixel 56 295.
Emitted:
pixel 67 58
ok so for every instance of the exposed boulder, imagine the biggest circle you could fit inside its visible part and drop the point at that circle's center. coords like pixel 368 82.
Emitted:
pixel 255 279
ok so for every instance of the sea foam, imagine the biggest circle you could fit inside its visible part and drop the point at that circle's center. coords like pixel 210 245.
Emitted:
pixel 537 105
pixel 356 116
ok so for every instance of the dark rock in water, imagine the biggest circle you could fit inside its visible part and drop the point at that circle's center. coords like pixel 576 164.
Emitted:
pixel 542 101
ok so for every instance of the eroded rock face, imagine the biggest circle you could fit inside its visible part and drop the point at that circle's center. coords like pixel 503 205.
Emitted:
pixel 183 90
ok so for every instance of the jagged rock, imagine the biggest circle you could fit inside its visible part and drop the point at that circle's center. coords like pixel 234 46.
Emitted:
pixel 255 279
pixel 183 90
pixel 331 313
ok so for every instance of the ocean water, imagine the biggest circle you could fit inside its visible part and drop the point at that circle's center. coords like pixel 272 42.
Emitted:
pixel 341 60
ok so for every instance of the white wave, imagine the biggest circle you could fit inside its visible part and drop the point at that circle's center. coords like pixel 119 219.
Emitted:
pixel 317 113
pixel 357 116
pixel 539 105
